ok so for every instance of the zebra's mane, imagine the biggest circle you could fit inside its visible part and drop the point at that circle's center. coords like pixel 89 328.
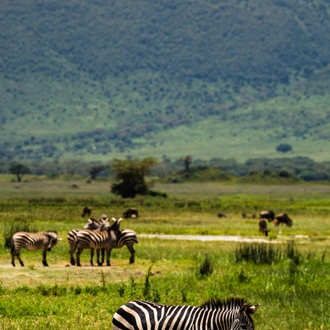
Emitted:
pixel 52 231
pixel 217 304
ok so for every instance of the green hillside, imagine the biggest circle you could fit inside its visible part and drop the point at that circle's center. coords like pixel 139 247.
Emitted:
pixel 229 79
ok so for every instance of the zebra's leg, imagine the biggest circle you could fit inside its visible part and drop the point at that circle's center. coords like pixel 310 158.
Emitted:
pixel 78 253
pixel 92 256
pixel 100 263
pixel 20 260
pixel 72 249
pixel 44 254
pixel 108 256
pixel 132 251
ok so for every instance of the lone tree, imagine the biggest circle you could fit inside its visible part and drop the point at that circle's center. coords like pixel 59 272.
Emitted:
pixel 19 170
pixel 95 170
pixel 131 173
pixel 187 161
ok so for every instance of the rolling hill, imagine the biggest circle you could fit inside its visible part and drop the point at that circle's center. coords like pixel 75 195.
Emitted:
pixel 229 79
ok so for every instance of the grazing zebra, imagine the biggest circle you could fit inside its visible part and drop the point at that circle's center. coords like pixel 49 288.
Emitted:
pixel 106 239
pixel 125 237
pixel 234 314
pixel 283 219
pixel 92 224
pixel 33 241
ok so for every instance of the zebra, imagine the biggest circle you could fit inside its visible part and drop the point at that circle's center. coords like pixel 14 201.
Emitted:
pixel 33 241
pixel 106 239
pixel 92 224
pixel 233 314
pixel 125 237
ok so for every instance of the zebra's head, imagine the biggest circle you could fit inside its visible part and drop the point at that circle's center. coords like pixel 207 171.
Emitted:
pixel 245 321
pixel 116 225
pixel 92 224
pixel 104 224
pixel 52 239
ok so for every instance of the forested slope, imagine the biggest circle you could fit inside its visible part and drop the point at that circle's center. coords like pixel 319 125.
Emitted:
pixel 211 78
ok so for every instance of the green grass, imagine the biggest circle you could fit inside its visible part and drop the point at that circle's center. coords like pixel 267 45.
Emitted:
pixel 292 290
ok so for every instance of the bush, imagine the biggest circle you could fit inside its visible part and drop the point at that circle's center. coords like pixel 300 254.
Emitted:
pixel 13 228
pixel 284 147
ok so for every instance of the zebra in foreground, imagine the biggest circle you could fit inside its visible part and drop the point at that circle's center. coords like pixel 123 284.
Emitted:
pixel 125 237
pixel 234 314
pixel 92 224
pixel 33 241
pixel 106 239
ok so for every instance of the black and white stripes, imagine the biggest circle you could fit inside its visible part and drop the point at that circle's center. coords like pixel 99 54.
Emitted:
pixel 44 241
pixel 234 314
pixel 106 239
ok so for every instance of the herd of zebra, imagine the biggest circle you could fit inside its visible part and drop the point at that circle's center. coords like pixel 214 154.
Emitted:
pixel 100 235
pixel 97 235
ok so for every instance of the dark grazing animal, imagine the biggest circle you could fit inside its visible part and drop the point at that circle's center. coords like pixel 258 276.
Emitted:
pixel 131 212
pixel 234 314
pixel 222 215
pixel 263 227
pixel 86 211
pixel 106 239
pixel 247 216
pixel 44 241
pixel 281 219
pixel 269 215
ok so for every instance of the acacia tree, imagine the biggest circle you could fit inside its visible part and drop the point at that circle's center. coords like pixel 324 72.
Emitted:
pixel 131 173
pixel 94 171
pixel 19 170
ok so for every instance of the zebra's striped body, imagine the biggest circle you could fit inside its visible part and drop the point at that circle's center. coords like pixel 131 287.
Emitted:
pixel 125 237
pixel 44 241
pixel 233 314
pixel 88 239
pixel 92 224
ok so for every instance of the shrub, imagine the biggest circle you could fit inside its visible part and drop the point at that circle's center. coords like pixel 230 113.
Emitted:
pixel 13 228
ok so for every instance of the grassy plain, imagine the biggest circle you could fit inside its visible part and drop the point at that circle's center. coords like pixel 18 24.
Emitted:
pixel 293 292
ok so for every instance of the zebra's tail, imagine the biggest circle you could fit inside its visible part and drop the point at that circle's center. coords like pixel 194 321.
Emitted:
pixel 12 248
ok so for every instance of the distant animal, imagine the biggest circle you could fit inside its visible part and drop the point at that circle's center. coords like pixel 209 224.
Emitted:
pixel 233 314
pixel 44 241
pixel 89 239
pixel 92 224
pixel 222 215
pixel 131 212
pixel 263 227
pixel 245 215
pixel 269 215
pixel 281 219
pixel 86 211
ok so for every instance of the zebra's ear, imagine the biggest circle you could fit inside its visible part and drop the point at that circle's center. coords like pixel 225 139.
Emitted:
pixel 59 239
pixel 113 219
pixel 253 309
pixel 120 219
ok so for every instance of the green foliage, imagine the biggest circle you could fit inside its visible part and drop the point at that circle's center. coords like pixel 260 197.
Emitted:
pixel 284 147
pixel 11 228
pixel 90 98
pixel 19 170
pixel 131 173
pixel 258 253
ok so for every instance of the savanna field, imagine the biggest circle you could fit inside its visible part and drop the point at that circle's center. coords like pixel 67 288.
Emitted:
pixel 287 273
